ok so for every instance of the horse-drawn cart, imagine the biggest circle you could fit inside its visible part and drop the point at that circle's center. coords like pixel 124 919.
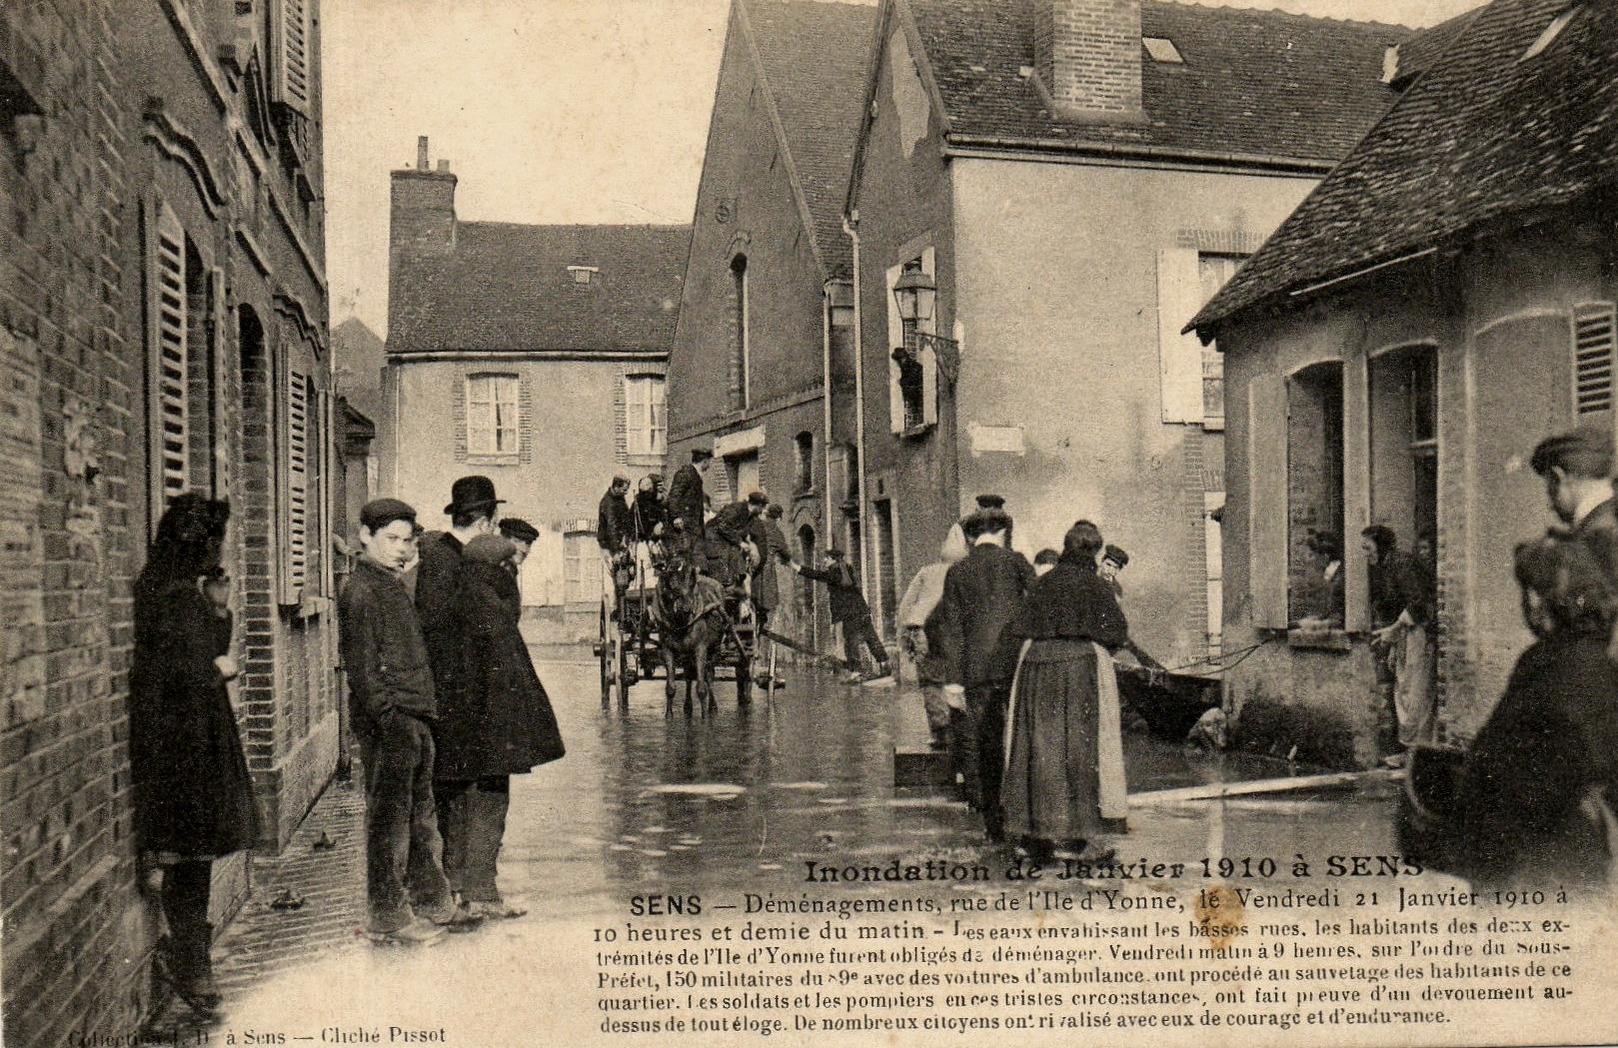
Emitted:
pixel 649 630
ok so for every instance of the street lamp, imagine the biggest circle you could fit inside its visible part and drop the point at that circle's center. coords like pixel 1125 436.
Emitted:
pixel 915 293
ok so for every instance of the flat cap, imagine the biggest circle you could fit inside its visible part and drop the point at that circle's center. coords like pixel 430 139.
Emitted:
pixel 379 513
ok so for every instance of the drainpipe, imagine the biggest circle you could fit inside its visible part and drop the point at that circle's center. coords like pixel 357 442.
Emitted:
pixel 851 225
pixel 825 407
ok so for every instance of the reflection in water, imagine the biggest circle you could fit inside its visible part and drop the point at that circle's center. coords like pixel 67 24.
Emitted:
pixel 740 800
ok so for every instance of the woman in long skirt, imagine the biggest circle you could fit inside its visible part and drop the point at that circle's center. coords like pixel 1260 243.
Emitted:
pixel 1064 776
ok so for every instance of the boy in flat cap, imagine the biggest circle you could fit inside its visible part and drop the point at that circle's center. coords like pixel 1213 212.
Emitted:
pixel 393 703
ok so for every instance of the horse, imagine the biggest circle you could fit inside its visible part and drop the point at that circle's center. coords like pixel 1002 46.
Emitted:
pixel 689 613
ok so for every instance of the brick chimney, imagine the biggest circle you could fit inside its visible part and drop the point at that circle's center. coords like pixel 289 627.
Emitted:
pixel 1087 56
pixel 422 221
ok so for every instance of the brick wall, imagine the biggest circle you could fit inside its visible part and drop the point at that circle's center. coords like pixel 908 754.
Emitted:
pixel 1088 53
pixel 69 396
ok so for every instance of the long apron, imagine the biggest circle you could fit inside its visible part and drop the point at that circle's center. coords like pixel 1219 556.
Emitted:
pixel 1064 760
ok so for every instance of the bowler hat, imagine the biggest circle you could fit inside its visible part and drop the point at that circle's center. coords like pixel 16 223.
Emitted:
pixel 379 513
pixel 1114 554
pixel 469 493
pixel 758 498
pixel 991 502
pixel 519 529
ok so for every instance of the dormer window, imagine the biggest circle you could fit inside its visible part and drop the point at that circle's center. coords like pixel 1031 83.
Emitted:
pixel 1551 32
pixel 584 274
pixel 1162 49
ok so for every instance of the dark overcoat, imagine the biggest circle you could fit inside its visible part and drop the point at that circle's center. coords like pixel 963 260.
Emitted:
pixel 1071 601
pixel 847 603
pixel 1598 530
pixel 503 723
pixel 766 588
pixel 981 594
pixel 437 579
pixel 685 498
pixel 1553 736
pixel 194 798
pixel 615 523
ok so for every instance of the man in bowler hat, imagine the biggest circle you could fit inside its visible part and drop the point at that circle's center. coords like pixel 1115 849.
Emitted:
pixel 467 814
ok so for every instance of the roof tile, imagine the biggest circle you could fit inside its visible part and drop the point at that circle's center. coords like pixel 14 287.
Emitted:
pixel 814 56
pixel 506 288
pixel 1258 83
pixel 1481 136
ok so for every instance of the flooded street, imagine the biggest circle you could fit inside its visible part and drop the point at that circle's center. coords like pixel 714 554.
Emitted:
pixel 733 806
pixel 742 799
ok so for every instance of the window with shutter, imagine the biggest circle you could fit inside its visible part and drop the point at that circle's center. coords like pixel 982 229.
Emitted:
pixel 1595 337
pixel 297 449
pixel 293 28
pixel 169 366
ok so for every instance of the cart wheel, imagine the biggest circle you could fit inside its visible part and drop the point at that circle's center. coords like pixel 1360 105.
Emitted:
pixel 621 651
pixel 744 679
pixel 604 657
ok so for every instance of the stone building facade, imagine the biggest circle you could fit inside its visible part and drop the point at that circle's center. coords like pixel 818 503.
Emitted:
pixel 539 354
pixel 162 329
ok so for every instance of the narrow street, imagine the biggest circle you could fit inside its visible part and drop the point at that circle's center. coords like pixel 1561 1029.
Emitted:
pixel 717 808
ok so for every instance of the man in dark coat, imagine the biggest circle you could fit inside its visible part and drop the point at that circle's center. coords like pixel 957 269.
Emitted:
pixel 471 510
pixel 849 610
pixel 729 534
pixel 1577 469
pixel 507 721
pixel 981 594
pixel 649 510
pixel 615 530
pixel 686 499
pixel 615 525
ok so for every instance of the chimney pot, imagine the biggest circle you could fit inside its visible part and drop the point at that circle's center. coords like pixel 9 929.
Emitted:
pixel 443 166
pixel 421 153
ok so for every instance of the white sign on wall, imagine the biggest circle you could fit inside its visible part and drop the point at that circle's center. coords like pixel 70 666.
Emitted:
pixel 996 439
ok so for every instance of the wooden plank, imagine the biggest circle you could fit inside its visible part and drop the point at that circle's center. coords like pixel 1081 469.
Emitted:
pixel 1285 784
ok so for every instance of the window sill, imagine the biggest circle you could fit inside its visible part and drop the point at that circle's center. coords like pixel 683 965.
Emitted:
pixel 492 460
pixel 914 432
pixel 1330 639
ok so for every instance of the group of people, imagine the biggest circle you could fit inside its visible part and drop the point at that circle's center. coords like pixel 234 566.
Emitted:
pixel 1016 666
pixel 739 545
pixel 1537 789
pixel 446 705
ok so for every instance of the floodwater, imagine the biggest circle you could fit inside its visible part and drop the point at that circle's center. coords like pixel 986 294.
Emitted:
pixel 744 798
pixel 646 807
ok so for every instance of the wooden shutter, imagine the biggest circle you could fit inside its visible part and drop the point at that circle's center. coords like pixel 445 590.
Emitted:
pixel 169 369
pixel 929 358
pixel 896 338
pixel 295 452
pixel 1594 337
pixel 1179 296
pixel 479 414
pixel 293 53
pixel 1267 500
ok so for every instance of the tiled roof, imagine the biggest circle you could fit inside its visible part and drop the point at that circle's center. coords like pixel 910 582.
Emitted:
pixel 1419 53
pixel 506 287
pixel 1257 83
pixel 814 56
pixel 1483 135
